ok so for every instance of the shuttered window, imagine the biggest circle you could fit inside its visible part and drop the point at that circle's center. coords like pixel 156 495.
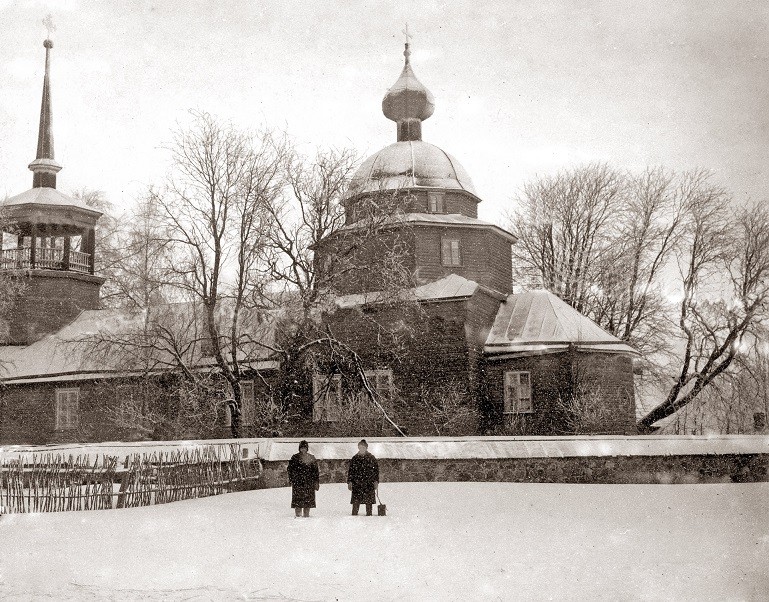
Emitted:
pixel 67 408
pixel 518 393
pixel 248 405
pixel 248 408
pixel 327 397
pixel 435 202
pixel 450 252
pixel 381 382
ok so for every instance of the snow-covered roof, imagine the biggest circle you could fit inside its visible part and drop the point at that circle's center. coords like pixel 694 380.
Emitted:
pixel 452 287
pixel 410 164
pixel 66 355
pixel 48 196
pixel 437 219
pixel 539 322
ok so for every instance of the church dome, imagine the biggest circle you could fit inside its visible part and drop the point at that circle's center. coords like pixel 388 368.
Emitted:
pixel 410 164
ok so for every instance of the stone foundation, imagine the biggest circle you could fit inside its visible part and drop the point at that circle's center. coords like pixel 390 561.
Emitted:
pixel 635 469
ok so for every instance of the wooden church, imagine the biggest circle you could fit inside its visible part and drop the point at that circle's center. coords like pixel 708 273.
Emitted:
pixel 522 363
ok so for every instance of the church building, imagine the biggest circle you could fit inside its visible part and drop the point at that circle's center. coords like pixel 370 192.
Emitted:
pixel 521 362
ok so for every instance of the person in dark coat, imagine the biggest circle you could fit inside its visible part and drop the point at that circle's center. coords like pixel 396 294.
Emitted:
pixel 363 479
pixel 304 476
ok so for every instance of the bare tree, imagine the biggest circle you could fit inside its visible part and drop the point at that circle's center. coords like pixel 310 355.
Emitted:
pixel 213 208
pixel 724 269
pixel 135 256
pixel 658 259
pixel 305 217
pixel 628 297
pixel 564 223
pixel 197 241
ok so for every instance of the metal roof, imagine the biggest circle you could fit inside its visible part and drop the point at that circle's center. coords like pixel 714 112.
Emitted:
pixel 67 356
pixel 437 219
pixel 539 322
pixel 410 164
pixel 48 196
pixel 452 286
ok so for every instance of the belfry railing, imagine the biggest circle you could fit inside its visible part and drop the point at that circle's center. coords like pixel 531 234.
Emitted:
pixel 45 258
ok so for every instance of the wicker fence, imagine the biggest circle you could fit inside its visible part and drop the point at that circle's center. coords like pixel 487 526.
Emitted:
pixel 54 483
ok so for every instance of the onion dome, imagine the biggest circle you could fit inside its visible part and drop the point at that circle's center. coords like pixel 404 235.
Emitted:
pixel 408 103
pixel 410 164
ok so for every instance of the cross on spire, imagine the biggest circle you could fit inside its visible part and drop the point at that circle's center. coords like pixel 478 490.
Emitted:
pixel 407 52
pixel 49 25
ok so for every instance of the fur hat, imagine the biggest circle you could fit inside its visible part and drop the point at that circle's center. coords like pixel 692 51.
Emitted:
pixel 363 442
pixel 304 444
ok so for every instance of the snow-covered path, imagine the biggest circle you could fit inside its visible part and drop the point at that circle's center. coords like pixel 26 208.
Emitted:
pixel 440 541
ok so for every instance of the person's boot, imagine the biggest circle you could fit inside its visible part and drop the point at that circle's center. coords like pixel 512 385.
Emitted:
pixel 355 508
pixel 297 512
pixel 368 509
pixel 306 512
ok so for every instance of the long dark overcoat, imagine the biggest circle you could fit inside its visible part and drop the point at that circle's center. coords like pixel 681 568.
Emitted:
pixel 304 479
pixel 362 474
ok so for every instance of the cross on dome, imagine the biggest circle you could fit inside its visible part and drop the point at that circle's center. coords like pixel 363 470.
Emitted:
pixel 408 102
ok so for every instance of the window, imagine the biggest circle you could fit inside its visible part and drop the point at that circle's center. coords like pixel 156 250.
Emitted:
pixel 518 393
pixel 435 202
pixel 247 407
pixel 450 254
pixel 67 407
pixel 381 382
pixel 327 397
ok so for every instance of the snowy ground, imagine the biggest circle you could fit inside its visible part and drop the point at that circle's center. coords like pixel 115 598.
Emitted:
pixel 440 541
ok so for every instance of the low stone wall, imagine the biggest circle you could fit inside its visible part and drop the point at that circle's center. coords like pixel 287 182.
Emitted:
pixel 663 460
pixel 637 469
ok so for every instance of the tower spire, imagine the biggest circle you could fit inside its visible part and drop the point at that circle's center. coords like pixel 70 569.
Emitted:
pixel 408 102
pixel 45 167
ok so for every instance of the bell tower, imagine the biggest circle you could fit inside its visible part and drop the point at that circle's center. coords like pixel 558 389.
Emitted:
pixel 48 239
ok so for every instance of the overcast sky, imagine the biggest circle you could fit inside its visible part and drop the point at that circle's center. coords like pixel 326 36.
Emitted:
pixel 521 88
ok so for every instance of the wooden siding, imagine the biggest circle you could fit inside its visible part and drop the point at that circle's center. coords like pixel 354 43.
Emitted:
pixel 486 256
pixel 556 375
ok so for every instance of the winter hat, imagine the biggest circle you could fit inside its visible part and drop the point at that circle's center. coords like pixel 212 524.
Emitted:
pixel 304 444
pixel 363 442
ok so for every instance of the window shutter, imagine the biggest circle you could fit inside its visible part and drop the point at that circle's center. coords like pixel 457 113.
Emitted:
pixel 327 397
pixel 511 391
pixel 74 410
pixel 319 399
pixel 435 202
pixel 524 392
pixel 248 409
pixel 67 402
pixel 381 382
pixel 517 394
pixel 334 398
pixel 455 258
pixel 446 251
pixel 60 409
